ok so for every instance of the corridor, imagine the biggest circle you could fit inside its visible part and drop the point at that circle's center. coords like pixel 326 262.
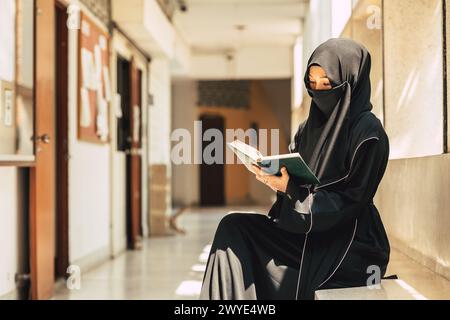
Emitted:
pixel 169 267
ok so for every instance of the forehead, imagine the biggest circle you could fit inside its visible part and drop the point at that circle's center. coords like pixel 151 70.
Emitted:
pixel 317 71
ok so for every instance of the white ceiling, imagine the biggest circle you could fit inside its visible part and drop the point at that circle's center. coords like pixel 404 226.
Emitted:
pixel 211 25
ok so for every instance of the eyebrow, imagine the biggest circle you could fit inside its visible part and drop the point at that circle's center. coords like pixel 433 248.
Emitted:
pixel 320 78
pixel 324 77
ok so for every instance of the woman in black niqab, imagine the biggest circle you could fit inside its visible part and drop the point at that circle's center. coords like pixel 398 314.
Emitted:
pixel 314 237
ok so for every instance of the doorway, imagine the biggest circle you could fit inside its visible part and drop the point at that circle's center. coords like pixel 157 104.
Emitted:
pixel 212 176
pixel 62 143
pixel 129 83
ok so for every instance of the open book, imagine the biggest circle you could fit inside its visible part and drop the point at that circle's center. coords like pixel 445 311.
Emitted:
pixel 271 165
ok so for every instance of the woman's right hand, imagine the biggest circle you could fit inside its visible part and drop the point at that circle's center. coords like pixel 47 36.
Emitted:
pixel 276 183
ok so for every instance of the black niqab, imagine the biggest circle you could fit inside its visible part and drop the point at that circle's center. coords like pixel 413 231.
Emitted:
pixel 325 136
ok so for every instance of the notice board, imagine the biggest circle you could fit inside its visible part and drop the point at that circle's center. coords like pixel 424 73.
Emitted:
pixel 94 86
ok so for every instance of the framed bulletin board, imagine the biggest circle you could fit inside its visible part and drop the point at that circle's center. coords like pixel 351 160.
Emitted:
pixel 94 86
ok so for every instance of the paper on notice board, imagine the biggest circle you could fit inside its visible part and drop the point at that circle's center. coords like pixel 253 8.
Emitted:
pixel 99 89
pixel 85 28
pixel 107 83
pixel 98 64
pixel 102 120
pixel 118 105
pixel 87 65
pixel 102 42
pixel 85 112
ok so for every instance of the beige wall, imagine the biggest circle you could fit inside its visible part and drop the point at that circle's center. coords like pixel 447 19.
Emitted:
pixel 414 203
pixel 413 77
pixel 185 177
pixel 240 184
pixel 413 197
pixel 263 113
pixel 372 39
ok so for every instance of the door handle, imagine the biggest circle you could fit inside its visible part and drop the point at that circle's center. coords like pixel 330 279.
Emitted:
pixel 45 138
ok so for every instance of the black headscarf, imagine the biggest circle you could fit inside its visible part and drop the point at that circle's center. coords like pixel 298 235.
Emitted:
pixel 324 140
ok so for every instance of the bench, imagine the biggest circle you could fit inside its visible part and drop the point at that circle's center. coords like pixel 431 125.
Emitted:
pixel 386 290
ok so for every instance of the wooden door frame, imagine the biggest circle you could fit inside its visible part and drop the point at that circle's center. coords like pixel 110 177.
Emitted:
pixel 202 201
pixel 134 162
pixel 62 142
pixel 42 179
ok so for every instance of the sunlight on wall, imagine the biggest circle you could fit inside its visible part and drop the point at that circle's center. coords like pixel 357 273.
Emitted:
pixel 297 84
pixel 414 78
pixel 7 22
pixel 341 12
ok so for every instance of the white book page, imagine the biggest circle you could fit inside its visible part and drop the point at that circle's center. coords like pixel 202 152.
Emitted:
pixel 283 156
pixel 247 154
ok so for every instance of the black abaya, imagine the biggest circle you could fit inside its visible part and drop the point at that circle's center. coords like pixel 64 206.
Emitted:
pixel 314 237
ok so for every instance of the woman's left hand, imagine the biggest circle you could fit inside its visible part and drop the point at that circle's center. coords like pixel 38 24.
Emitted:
pixel 274 182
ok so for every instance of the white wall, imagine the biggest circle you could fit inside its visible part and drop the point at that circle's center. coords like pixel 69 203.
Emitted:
pixel 147 25
pixel 11 189
pixel 9 215
pixel 160 118
pixel 7 39
pixel 89 183
pixel 160 112
pixel 341 12
pixel 247 63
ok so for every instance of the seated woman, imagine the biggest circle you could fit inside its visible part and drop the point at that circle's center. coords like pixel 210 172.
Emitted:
pixel 314 237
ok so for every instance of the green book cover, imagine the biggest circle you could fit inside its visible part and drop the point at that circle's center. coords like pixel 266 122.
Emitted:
pixel 293 162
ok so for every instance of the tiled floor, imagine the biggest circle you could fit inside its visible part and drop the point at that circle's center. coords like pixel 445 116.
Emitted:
pixel 172 267
pixel 166 268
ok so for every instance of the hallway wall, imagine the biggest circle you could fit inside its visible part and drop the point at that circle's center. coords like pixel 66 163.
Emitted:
pixel 413 201
pixel 413 70
pixel 10 197
pixel 185 177
pixel 160 168
pixel 89 181
pixel 413 196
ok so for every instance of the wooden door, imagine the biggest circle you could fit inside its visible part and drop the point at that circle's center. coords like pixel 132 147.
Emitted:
pixel 42 176
pixel 212 176
pixel 62 143
pixel 134 158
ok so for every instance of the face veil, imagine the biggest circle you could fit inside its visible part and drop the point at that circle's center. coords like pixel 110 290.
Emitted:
pixel 324 141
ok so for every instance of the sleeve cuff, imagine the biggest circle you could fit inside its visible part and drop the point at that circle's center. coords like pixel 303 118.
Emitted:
pixel 293 191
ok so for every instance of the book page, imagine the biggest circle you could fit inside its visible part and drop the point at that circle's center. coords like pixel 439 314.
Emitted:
pixel 246 153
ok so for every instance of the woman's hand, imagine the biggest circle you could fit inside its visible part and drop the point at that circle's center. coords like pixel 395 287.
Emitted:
pixel 274 182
